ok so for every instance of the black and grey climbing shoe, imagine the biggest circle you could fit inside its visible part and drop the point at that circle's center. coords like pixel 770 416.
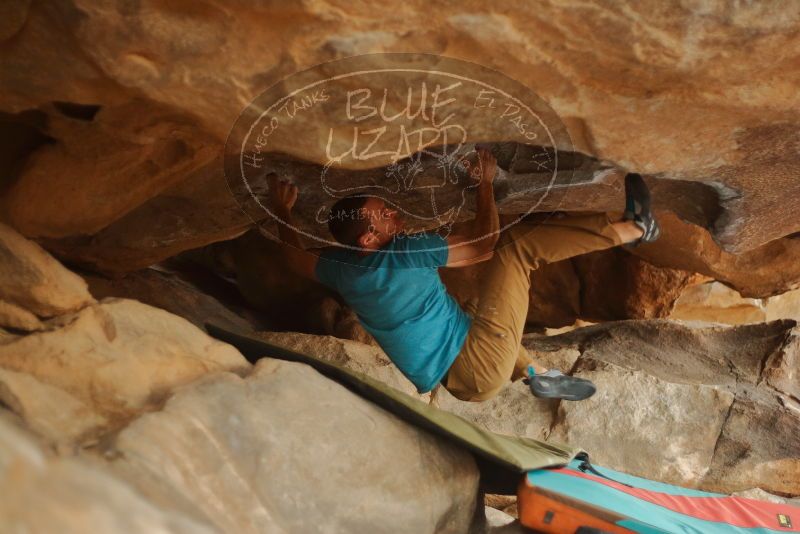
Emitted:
pixel 556 385
pixel 637 208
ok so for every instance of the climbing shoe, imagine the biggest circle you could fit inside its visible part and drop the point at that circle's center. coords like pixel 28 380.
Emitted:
pixel 555 385
pixel 637 208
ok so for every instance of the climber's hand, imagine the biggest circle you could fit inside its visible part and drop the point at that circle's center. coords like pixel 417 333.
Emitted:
pixel 484 168
pixel 282 194
pixel 488 165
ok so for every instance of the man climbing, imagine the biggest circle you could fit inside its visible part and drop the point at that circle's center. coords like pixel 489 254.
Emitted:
pixel 390 279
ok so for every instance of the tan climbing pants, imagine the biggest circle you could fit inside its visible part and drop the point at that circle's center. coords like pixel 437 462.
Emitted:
pixel 492 353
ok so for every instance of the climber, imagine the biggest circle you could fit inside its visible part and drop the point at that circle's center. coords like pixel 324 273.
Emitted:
pixel 390 280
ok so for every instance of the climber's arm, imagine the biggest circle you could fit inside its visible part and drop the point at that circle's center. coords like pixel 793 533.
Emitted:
pixel 477 245
pixel 282 198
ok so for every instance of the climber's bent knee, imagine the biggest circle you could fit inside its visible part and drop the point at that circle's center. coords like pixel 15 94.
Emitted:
pixel 466 390
pixel 475 396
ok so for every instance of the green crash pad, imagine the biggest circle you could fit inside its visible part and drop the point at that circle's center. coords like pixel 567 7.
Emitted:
pixel 501 459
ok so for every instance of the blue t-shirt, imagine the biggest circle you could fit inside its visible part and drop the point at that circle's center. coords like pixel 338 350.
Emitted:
pixel 400 299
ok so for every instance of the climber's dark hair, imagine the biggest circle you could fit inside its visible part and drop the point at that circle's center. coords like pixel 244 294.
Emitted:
pixel 347 220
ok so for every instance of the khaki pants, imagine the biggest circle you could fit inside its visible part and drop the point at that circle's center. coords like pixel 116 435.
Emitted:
pixel 492 353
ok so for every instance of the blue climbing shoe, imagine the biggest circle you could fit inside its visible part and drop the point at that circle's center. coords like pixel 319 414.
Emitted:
pixel 555 385
pixel 637 208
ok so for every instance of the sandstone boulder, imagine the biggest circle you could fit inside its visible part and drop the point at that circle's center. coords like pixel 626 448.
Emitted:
pixel 16 318
pixel 717 303
pixel 713 355
pixel 503 503
pixel 497 518
pixel 118 357
pixel 286 450
pixel 641 424
pixel 31 280
pixel 73 495
pixel 49 411
pixel 756 447
pixel 124 170
pixel 670 378
pixel 784 306
pixel 782 368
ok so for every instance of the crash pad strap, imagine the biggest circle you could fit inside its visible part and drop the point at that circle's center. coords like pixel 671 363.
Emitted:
pixel 502 459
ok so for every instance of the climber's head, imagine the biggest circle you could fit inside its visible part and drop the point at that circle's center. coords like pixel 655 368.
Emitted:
pixel 365 222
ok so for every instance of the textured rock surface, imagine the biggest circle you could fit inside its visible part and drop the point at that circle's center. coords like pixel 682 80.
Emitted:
pixel 503 503
pixel 224 453
pixel 673 403
pixel 145 149
pixel 16 318
pixel 716 303
pixel 752 448
pixel 767 270
pixel 119 357
pixel 173 293
pixel 785 306
pixel 617 285
pixel 782 369
pixel 192 213
pixel 667 430
pixel 157 89
pixel 94 365
pixel 32 280
pixel 49 411
pixel 755 446
pixel 275 452
pixel 45 494
pixel 367 359
pixel 496 518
